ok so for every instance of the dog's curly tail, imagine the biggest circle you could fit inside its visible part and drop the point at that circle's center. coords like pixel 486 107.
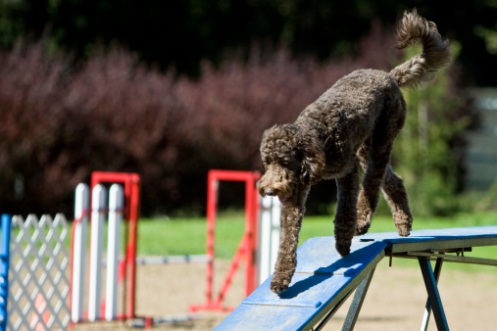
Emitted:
pixel 435 55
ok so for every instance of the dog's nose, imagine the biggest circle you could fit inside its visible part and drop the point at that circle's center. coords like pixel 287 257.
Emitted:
pixel 270 192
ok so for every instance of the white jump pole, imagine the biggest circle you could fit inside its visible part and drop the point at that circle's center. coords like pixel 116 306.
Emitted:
pixel 81 208
pixel 98 212
pixel 269 236
pixel 116 206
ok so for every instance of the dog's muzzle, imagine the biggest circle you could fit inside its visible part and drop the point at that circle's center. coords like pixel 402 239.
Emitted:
pixel 271 191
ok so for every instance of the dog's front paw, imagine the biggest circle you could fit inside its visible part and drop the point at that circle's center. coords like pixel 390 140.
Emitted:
pixel 361 229
pixel 279 284
pixel 404 231
pixel 343 247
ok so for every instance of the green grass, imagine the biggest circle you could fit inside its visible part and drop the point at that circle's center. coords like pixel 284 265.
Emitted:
pixel 164 236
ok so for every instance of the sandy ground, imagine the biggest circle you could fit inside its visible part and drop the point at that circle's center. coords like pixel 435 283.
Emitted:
pixel 395 300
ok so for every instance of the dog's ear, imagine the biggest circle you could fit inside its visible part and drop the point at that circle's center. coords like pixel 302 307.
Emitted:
pixel 313 159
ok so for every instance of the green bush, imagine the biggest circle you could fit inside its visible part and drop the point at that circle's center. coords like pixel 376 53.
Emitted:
pixel 427 151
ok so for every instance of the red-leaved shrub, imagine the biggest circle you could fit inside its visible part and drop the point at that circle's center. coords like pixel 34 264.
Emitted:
pixel 59 122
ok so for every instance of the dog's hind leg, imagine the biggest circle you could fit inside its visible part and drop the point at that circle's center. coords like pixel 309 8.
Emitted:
pixel 346 213
pixel 374 156
pixel 396 196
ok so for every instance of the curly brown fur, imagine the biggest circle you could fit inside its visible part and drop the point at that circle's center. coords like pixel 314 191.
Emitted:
pixel 352 124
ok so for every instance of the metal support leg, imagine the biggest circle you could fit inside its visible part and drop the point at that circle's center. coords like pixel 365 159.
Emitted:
pixel 356 305
pixel 354 308
pixel 330 314
pixel 434 299
pixel 426 316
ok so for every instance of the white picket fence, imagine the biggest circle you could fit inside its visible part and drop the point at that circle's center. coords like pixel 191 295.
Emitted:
pixel 38 274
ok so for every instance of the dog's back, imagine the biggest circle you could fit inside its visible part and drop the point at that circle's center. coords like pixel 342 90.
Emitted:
pixel 357 98
pixel 346 114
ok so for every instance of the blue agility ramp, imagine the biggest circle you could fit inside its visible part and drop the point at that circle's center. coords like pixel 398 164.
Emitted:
pixel 324 280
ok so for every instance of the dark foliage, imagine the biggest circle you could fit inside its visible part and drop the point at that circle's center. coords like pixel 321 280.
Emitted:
pixel 59 123
pixel 57 126
pixel 180 33
pixel 32 159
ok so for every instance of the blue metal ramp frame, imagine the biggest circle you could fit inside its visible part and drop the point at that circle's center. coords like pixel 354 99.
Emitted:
pixel 324 280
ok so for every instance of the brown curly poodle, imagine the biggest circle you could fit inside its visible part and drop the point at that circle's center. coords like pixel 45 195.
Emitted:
pixel 353 123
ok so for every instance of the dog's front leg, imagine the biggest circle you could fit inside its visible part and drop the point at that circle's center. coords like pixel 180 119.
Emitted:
pixel 346 213
pixel 291 220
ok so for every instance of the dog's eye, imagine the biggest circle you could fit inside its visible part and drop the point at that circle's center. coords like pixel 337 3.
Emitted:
pixel 288 163
pixel 298 155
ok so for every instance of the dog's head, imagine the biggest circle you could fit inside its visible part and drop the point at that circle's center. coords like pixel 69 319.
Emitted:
pixel 292 157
